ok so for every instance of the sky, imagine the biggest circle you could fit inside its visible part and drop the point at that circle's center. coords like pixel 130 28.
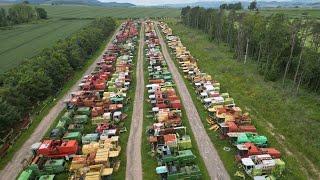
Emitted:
pixel 159 2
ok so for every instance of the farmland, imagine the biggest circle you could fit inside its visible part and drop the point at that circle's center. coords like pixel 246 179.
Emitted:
pixel 28 40
pixel 22 41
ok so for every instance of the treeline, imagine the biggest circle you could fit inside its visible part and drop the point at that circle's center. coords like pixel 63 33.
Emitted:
pixel 283 48
pixel 42 76
pixel 21 13
pixel 234 6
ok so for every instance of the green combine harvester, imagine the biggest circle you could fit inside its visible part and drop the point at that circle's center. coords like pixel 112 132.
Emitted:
pixel 72 136
pixel 165 155
pixel 43 168
pixel 83 111
pixel 47 177
pixel 260 141
pixel 173 172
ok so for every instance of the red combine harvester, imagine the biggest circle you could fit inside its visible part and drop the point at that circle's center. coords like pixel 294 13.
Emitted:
pixel 231 126
pixel 58 148
pixel 249 149
pixel 175 104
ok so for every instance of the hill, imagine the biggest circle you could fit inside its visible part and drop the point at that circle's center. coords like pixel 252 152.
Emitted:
pixel 261 4
pixel 77 2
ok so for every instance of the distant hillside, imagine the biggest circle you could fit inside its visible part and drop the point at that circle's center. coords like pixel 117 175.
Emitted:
pixel 261 4
pixel 80 2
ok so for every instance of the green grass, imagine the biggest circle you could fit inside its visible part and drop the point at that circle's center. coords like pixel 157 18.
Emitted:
pixel 293 12
pixel 27 40
pixel 49 103
pixel 296 119
pixel 19 42
pixel 94 11
pixel 149 162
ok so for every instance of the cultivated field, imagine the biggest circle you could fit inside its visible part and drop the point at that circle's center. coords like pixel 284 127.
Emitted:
pixel 91 12
pixel 22 41
pixel 28 40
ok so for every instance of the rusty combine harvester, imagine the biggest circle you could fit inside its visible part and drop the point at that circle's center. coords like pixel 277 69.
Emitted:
pixel 167 136
pixel 257 160
pixel 85 142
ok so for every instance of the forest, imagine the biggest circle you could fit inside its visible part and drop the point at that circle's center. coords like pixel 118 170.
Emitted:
pixel 285 49
pixel 45 74
pixel 21 13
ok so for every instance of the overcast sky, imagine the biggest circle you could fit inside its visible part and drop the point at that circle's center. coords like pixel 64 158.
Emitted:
pixel 159 2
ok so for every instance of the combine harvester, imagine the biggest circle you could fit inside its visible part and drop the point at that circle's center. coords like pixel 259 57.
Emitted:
pixel 167 136
pixel 257 160
pixel 85 142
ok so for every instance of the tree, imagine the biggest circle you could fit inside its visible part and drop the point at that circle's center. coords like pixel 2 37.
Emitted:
pixel 282 47
pixel 56 67
pixel 9 114
pixel 315 32
pixel 234 6
pixel 20 13
pixel 35 85
pixel 253 6
pixel 41 13
pixel 3 17
pixel 295 26
pixel 224 6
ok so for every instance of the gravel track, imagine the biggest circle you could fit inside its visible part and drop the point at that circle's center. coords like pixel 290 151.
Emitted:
pixel 15 166
pixel 134 166
pixel 209 154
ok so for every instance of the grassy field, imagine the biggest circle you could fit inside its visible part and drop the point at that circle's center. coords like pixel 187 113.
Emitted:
pixel 20 42
pixel 293 12
pixel 289 122
pixel 92 12
pixel 27 40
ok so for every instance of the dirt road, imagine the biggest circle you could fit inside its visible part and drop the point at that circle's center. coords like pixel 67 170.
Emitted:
pixel 15 166
pixel 209 154
pixel 134 167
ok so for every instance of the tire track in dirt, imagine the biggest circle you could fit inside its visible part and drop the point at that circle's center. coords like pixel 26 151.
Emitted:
pixel 134 166
pixel 209 154
pixel 15 166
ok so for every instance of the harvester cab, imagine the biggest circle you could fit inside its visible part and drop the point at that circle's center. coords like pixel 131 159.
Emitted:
pixel 207 103
pixel 259 165
pixel 174 172
pixel 108 134
pixel 56 133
